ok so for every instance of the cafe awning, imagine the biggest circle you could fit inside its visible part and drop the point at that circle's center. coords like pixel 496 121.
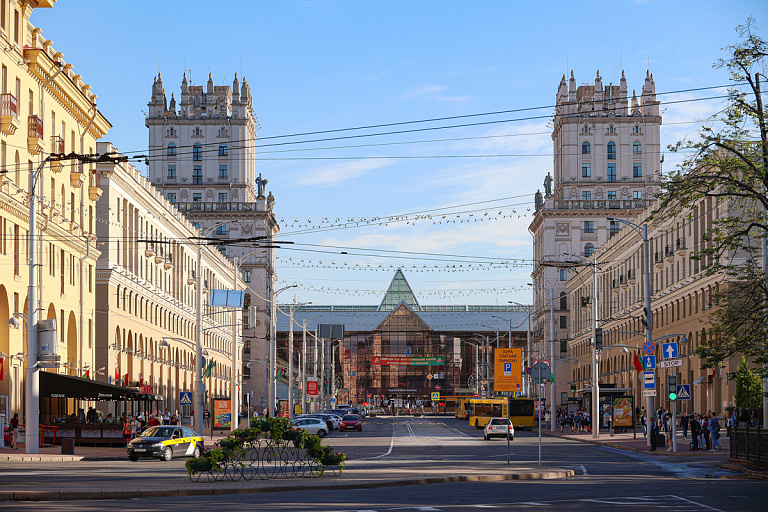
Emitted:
pixel 57 385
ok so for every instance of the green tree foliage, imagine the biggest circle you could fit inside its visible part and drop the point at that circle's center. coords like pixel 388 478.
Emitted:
pixel 729 161
pixel 749 389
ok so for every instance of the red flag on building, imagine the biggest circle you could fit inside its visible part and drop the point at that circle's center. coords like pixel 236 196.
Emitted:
pixel 125 380
pixel 638 363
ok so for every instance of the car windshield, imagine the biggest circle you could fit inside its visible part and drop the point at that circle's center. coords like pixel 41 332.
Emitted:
pixel 158 432
pixel 349 417
pixel 500 421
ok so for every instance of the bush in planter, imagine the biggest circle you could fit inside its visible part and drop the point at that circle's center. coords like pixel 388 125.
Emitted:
pixel 261 424
pixel 212 460
pixel 230 444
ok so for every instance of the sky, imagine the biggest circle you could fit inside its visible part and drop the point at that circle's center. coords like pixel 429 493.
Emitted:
pixel 449 205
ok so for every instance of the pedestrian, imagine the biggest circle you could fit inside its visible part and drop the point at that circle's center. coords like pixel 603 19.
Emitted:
pixel 695 432
pixel 166 418
pixel 135 427
pixel 13 427
pixel 684 424
pixel 644 423
pixel 668 430
pixel 707 442
pixel 714 431
pixel 654 434
pixel 127 427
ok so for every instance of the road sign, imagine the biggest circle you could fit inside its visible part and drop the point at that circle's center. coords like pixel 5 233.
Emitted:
pixel 436 396
pixel 684 392
pixel 484 394
pixel 649 347
pixel 429 376
pixel 185 398
pixel 649 392
pixel 518 394
pixel 669 350
pixel 333 400
pixel 540 372
pixel 507 369
pixel 442 375
pixel 649 380
pixel 312 388
pixel 408 351
pixel 437 388
pixel 670 363
pixel 649 362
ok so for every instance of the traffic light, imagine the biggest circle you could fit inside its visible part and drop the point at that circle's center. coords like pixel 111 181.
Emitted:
pixel 672 386
pixel 598 339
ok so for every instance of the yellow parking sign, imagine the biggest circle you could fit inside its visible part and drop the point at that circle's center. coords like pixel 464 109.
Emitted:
pixel 436 395
pixel 507 369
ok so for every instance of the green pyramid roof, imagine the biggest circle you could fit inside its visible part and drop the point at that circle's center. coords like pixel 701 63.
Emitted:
pixel 399 291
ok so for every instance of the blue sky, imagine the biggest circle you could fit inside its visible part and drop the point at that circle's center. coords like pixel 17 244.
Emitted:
pixel 322 65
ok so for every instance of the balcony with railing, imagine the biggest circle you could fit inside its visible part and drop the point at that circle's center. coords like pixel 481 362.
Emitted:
pixel 680 247
pixel 668 252
pixel 57 147
pixel 631 276
pixel 200 206
pixel 34 134
pixel 658 259
pixel 94 185
pixel 77 175
pixel 606 204
pixel 9 114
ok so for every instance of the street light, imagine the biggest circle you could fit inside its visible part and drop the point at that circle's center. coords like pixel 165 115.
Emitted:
pixel 273 347
pixel 643 232
pixel 553 390
pixel 304 360
pixel 290 352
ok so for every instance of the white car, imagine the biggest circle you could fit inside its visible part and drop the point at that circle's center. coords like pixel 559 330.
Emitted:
pixel 335 419
pixel 315 426
pixel 499 427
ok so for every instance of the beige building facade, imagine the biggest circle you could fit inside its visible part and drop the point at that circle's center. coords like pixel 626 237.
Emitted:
pixel 681 294
pixel 146 296
pixel 45 108
pixel 606 164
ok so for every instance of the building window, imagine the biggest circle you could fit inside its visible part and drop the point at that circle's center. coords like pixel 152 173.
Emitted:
pixel 563 322
pixel 585 148
pixel 636 147
pixel 223 151
pixel 586 129
pixel 171 149
pixel 637 130
pixel 588 250
pixel 171 196
pixel 197 175
pixel 563 301
pixel 637 194
pixel 613 228
pixel 197 152
pixel 222 197
pixel 586 170
pixel 586 195
pixel 221 230
pixel 589 226
pixel 172 171
pixel 223 173
pixel 612 173
pixel 637 171
pixel 563 274
pixel 611 151
pixel 197 197
pixel 612 196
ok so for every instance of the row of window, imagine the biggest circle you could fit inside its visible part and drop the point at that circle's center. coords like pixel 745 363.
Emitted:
pixel 197 197
pixel 586 171
pixel 586 149
pixel 197 150
pixel 586 195
pixel 197 173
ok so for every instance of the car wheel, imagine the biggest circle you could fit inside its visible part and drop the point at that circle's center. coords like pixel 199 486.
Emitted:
pixel 167 454
pixel 511 438
pixel 133 459
pixel 321 433
pixel 196 452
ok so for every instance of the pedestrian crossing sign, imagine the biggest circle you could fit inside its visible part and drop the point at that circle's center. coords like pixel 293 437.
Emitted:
pixel 436 396
pixel 185 398
pixel 684 392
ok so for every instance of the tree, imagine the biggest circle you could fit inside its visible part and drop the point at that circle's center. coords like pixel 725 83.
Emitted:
pixel 729 162
pixel 749 389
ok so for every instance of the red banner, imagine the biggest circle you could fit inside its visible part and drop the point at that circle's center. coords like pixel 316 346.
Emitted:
pixel 2 368
pixel 312 388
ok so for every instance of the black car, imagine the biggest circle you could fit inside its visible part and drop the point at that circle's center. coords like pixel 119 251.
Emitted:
pixel 166 442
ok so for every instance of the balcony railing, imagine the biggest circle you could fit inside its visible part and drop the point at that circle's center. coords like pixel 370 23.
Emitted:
pixel 57 144
pixel 199 206
pixel 8 105
pixel 617 204
pixel 658 257
pixel 35 126
pixel 680 244
pixel 668 252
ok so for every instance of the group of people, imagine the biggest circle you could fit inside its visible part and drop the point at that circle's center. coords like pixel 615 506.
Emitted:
pixel 135 425
pixel 704 429
pixel 578 421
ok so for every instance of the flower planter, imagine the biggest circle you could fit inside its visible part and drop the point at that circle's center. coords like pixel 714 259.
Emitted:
pixel 229 444
pixel 200 465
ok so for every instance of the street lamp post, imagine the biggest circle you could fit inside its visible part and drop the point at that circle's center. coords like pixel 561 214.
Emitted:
pixel 290 351
pixel 304 361
pixel 553 406
pixel 528 348
pixel 643 232
pixel 272 385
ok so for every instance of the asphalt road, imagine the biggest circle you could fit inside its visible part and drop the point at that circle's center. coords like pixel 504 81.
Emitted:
pixel 606 478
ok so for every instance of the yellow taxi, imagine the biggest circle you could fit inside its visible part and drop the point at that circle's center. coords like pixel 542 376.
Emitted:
pixel 166 442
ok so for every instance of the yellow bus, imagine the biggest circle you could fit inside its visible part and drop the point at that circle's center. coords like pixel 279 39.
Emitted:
pixel 521 412
pixel 462 408
pixel 481 410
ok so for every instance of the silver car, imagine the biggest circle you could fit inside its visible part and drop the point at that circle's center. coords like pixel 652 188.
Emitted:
pixel 315 426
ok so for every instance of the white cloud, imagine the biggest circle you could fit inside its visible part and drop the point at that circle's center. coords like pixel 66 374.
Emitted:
pixel 339 173
pixel 422 90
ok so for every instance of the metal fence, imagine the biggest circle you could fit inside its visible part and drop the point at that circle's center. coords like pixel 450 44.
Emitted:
pixel 749 443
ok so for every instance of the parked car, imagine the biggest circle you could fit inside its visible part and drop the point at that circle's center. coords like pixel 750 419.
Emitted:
pixel 351 422
pixel 498 427
pixel 312 425
pixel 165 443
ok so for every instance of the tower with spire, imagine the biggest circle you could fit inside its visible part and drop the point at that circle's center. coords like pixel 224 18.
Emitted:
pixel 607 164
pixel 201 156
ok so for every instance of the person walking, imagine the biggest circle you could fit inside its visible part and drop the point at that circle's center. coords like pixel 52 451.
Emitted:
pixel 655 426
pixel 695 432
pixel 714 432
pixel 707 442
pixel 668 430
pixel 684 424
pixel 13 429
pixel 644 423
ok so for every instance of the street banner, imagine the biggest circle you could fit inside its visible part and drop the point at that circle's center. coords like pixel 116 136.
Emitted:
pixel 507 369
pixel 623 412
pixel 222 413
pixel 407 361
pixel 312 388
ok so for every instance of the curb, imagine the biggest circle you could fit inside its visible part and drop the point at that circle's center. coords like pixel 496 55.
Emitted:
pixel 741 469
pixel 57 458
pixel 111 495
pixel 622 447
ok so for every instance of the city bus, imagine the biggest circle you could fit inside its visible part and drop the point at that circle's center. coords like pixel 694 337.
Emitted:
pixel 481 410
pixel 462 408
pixel 521 412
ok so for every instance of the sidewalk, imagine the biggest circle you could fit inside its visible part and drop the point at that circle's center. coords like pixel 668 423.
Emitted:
pixel 626 441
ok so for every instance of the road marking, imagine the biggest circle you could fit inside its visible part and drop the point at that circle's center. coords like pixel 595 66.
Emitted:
pixel 699 504
pixel 391 445
pixel 583 470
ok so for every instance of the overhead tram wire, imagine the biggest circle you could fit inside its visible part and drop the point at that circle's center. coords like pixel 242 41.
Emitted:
pixel 449 118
